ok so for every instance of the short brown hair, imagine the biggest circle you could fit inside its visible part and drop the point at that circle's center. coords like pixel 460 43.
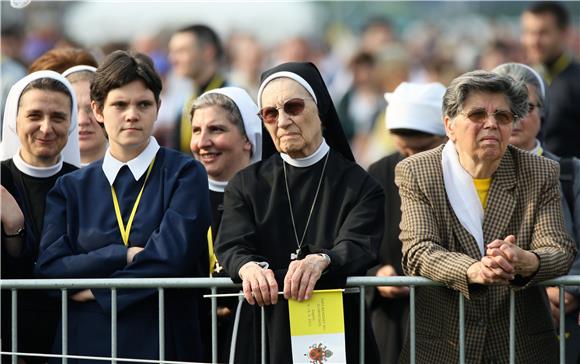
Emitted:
pixel 61 59
pixel 121 68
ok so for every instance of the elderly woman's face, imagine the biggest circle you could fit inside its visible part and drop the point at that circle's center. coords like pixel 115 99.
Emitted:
pixel 482 129
pixel 294 132
pixel 42 124
pixel 218 143
pixel 525 131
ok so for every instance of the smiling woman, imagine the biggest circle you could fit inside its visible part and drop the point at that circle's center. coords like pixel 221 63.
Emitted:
pixel 40 141
pixel 153 224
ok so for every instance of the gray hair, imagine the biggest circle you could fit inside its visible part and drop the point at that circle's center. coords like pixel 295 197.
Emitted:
pixel 521 72
pixel 81 76
pixel 484 81
pixel 215 99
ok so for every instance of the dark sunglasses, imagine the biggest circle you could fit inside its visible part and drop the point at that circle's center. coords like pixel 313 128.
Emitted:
pixel 291 107
pixel 479 116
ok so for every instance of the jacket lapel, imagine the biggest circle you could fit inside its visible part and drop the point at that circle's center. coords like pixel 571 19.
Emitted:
pixel 501 201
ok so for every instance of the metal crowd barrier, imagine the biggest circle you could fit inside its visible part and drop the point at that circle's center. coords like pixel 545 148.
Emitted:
pixel 214 283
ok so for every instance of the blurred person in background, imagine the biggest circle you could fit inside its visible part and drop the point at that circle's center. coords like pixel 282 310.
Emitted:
pixel 195 52
pixel 61 59
pixel 40 144
pixel 524 136
pixel 226 138
pixel 545 34
pixel 362 103
pixel 414 120
pixel 483 218
pixel 246 57
pixel 92 135
pixel 140 212
pixel 11 66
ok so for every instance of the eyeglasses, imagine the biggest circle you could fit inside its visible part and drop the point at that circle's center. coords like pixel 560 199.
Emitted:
pixel 532 107
pixel 291 107
pixel 479 116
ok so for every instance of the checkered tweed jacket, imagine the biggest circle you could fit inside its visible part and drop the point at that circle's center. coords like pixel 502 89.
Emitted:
pixel 523 200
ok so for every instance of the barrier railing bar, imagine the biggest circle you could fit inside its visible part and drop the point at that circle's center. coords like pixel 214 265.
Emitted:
pixel 14 299
pixel 362 305
pixel 99 358
pixel 113 325
pixel 562 327
pixel 461 328
pixel 412 323
pixel 512 334
pixel 64 322
pixel 214 341
pixel 161 324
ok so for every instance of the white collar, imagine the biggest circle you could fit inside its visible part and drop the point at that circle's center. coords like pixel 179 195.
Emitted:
pixel 217 186
pixel 462 195
pixel 538 150
pixel 310 160
pixel 137 165
pixel 38 172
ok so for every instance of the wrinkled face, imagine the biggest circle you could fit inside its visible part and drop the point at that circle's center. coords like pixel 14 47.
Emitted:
pixel 91 135
pixel 410 145
pixel 42 124
pixel 541 37
pixel 481 139
pixel 525 131
pixel 185 55
pixel 218 143
pixel 128 114
pixel 296 135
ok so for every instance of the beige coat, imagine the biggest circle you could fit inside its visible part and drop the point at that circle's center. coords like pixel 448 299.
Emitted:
pixel 523 200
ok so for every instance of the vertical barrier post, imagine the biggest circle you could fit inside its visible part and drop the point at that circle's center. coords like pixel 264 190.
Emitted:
pixel 512 327
pixel 64 321
pixel 562 327
pixel 161 323
pixel 461 328
pixel 263 334
pixel 412 323
pixel 113 325
pixel 362 325
pixel 14 298
pixel 214 341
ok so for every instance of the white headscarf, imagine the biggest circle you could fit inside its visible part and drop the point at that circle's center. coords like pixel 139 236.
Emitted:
pixel 10 145
pixel 249 111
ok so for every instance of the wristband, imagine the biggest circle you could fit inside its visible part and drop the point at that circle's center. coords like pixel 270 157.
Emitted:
pixel 18 233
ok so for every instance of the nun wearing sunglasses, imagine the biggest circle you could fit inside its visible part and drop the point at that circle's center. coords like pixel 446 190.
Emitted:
pixel 307 217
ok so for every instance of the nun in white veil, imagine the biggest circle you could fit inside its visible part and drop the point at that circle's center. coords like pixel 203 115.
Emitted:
pixel 40 144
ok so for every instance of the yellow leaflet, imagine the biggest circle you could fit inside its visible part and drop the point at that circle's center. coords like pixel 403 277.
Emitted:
pixel 321 314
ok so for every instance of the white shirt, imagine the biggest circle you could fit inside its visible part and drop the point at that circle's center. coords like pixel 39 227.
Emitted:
pixel 137 165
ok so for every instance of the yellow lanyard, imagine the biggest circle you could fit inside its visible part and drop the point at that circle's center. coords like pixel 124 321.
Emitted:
pixel 126 231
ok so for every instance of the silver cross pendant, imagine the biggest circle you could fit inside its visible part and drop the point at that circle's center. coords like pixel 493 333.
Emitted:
pixel 294 256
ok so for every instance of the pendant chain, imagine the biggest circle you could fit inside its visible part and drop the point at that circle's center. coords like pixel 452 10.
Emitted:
pixel 299 242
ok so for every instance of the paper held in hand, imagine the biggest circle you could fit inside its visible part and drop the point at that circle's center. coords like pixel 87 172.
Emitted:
pixel 317 328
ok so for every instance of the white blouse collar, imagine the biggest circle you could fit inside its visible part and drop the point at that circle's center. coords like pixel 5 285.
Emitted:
pixel 217 186
pixel 38 172
pixel 137 165
pixel 310 160
pixel 538 150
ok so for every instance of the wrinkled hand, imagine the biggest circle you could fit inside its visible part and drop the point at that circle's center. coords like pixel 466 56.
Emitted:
pixel 83 296
pixel 525 262
pixel 302 276
pixel 491 271
pixel 571 302
pixel 390 291
pixel 259 284
pixel 11 214
pixel 131 252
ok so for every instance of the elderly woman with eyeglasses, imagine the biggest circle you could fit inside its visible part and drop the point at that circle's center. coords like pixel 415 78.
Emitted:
pixel 483 218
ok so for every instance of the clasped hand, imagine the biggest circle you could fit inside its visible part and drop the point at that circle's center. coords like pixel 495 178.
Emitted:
pixel 260 286
pixel 502 261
